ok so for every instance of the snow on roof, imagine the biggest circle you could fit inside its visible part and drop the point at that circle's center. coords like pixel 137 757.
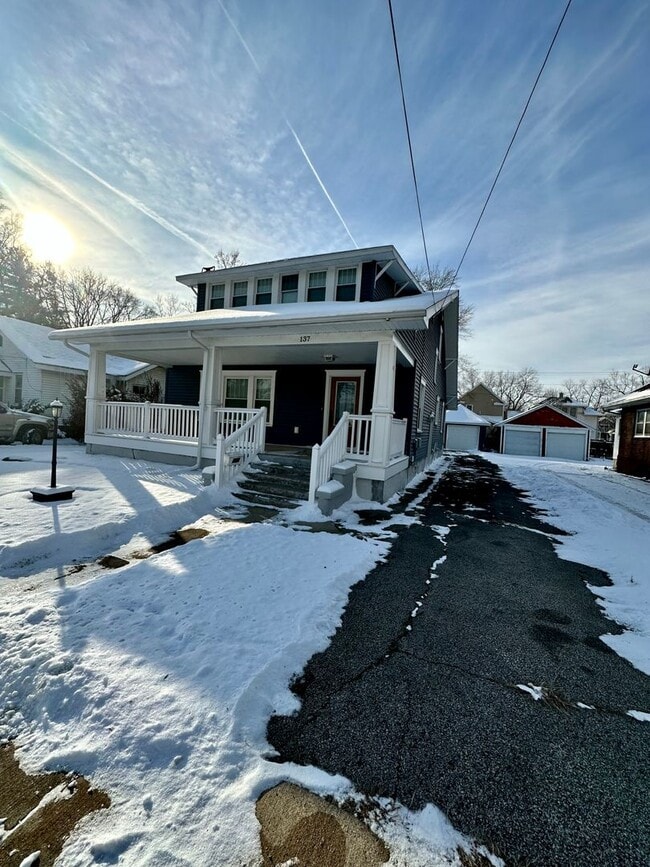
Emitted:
pixel 273 314
pixel 32 340
pixel 462 415
pixel 639 395
pixel 544 405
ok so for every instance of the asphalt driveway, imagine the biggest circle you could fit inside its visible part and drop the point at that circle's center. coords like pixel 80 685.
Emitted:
pixel 417 696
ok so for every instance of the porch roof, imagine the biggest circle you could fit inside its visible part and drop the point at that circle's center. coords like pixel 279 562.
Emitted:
pixel 345 318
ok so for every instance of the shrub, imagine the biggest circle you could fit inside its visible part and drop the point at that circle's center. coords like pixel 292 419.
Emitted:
pixel 74 425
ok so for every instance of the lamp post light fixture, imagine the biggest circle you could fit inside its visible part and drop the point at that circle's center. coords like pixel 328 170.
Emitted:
pixel 46 495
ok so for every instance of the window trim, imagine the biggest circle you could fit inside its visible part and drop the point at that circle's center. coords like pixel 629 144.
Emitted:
pixel 211 299
pixel 251 376
pixel 238 284
pixel 258 293
pixel 357 271
pixel 645 424
pixel 422 399
pixel 281 289
pixel 322 287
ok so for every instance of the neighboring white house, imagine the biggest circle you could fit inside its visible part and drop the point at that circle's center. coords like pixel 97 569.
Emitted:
pixel 32 367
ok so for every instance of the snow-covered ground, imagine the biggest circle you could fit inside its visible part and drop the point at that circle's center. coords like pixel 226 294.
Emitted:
pixel 156 680
pixel 608 515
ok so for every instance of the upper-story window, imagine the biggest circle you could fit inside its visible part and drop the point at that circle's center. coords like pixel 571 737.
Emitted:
pixel 218 296
pixel 316 286
pixel 240 293
pixel 346 284
pixel 289 293
pixel 264 289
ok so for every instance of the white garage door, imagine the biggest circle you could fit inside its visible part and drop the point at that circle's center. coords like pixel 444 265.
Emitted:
pixel 462 437
pixel 564 444
pixel 522 442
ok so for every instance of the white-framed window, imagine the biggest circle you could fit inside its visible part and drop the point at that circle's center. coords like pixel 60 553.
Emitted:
pixel 316 285
pixel 642 426
pixel 289 290
pixel 438 416
pixel 18 389
pixel 250 389
pixel 421 399
pixel 264 290
pixel 240 293
pixel 218 296
pixel 346 284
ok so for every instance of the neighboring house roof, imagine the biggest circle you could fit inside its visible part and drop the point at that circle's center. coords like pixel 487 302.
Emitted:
pixel 638 396
pixel 535 409
pixel 492 419
pixel 32 341
pixel 462 415
pixel 482 385
pixel 587 410
pixel 387 256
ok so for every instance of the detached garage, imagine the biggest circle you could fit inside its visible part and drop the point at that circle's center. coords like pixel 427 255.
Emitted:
pixel 464 430
pixel 546 432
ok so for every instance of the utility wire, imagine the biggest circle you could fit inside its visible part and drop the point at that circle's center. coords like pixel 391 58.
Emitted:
pixel 514 136
pixel 408 137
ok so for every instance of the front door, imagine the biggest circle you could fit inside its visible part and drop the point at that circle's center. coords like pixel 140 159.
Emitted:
pixel 345 394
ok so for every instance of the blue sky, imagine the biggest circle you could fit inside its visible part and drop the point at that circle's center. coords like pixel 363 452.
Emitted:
pixel 152 132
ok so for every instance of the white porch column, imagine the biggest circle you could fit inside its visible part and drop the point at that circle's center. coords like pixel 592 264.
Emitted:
pixel 95 388
pixel 617 440
pixel 211 398
pixel 383 401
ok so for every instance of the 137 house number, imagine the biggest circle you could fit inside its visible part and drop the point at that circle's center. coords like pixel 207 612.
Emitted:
pixel 304 338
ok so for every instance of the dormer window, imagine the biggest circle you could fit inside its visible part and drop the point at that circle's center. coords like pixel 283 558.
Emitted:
pixel 240 293
pixel 346 284
pixel 316 286
pixel 264 290
pixel 218 296
pixel 289 293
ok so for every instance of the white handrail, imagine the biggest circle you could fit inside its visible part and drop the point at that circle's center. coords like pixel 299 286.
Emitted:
pixel 329 452
pixel 236 451
pixel 227 421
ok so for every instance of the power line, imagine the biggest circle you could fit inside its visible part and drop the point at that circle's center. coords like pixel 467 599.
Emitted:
pixel 408 137
pixel 514 135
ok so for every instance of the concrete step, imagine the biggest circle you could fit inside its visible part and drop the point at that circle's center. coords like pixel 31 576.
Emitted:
pixel 269 500
pixel 284 460
pixel 285 486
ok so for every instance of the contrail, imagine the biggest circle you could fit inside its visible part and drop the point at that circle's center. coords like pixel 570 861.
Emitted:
pixel 135 203
pixel 18 159
pixel 288 122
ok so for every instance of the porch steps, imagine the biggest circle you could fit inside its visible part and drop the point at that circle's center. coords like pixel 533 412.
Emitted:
pixel 275 481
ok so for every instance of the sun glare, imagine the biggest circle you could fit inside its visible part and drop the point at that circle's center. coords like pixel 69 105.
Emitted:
pixel 47 238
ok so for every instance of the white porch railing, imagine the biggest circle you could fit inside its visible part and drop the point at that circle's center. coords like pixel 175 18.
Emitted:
pixel 358 441
pixel 329 452
pixel 397 438
pixel 239 448
pixel 227 421
pixel 154 420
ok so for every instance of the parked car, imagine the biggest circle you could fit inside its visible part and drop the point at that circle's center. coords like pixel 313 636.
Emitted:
pixel 25 427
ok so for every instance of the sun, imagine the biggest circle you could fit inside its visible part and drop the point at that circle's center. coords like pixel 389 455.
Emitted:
pixel 47 238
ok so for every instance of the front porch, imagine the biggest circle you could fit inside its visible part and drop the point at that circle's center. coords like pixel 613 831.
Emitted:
pixel 338 410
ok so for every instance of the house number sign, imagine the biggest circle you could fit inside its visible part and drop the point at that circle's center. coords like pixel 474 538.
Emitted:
pixel 304 338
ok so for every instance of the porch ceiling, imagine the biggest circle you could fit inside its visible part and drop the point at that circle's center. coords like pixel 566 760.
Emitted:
pixel 240 356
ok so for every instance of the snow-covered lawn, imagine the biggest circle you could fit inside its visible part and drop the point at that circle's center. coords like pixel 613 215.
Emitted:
pixel 156 680
pixel 608 515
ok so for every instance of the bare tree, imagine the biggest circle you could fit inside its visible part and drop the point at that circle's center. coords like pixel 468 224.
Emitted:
pixel 519 389
pixel 469 374
pixel 89 298
pixel 439 279
pixel 171 304
pixel 228 259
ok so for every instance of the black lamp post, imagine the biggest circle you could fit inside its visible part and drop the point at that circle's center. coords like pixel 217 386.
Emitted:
pixel 56 406
pixel 45 495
